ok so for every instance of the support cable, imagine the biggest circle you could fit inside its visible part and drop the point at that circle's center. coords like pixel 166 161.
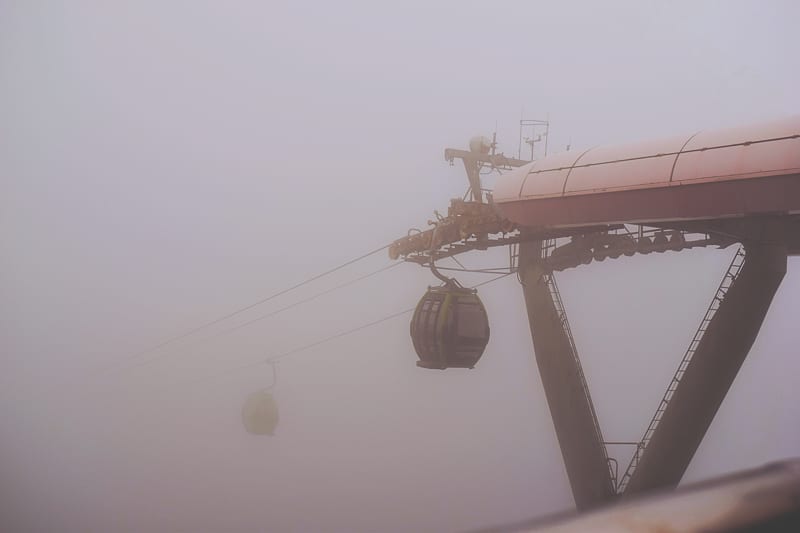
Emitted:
pixel 294 351
pixel 206 325
pixel 278 311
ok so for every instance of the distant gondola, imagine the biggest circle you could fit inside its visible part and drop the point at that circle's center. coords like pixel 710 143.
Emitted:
pixel 260 410
pixel 260 413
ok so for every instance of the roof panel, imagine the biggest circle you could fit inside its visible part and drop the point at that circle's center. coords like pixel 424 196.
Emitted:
pixel 740 154
pixel 509 184
pixel 644 164
pixel 707 175
pixel 785 127
pixel 547 178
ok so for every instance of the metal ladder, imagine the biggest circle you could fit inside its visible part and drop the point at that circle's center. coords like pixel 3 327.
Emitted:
pixel 730 276
pixel 561 314
pixel 513 257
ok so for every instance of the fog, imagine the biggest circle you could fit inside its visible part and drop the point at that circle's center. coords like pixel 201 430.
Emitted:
pixel 165 163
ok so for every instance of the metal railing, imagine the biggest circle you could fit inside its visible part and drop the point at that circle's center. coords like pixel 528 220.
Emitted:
pixel 561 313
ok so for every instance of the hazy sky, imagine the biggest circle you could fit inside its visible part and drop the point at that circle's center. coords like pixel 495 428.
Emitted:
pixel 163 163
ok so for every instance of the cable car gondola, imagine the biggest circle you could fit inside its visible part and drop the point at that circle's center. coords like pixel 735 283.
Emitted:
pixel 260 410
pixel 450 328
pixel 260 413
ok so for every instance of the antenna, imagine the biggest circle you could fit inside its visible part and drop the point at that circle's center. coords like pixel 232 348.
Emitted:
pixel 531 132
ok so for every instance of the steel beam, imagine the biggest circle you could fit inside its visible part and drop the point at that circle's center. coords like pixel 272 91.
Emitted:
pixel 568 398
pixel 712 370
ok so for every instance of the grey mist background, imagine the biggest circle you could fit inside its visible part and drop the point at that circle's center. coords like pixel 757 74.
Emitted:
pixel 164 163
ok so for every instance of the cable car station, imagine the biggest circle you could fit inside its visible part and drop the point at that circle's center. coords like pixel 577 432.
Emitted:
pixel 734 187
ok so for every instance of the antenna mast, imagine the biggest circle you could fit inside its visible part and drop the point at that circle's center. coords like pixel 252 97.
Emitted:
pixel 531 132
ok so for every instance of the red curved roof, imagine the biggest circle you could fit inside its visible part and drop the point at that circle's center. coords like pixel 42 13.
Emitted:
pixel 710 174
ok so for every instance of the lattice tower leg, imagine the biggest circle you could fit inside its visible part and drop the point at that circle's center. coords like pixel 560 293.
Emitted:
pixel 713 367
pixel 567 394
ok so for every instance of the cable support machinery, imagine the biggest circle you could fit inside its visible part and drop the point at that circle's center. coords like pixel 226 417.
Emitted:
pixel 713 188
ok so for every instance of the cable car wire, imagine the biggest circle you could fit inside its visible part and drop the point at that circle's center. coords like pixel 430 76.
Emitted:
pixel 294 351
pixel 456 261
pixel 359 328
pixel 314 297
pixel 277 311
pixel 325 340
pixel 116 368
pixel 176 338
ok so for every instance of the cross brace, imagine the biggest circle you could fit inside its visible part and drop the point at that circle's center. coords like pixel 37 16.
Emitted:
pixel 693 396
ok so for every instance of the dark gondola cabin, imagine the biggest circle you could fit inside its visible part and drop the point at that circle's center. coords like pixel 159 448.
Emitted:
pixel 449 328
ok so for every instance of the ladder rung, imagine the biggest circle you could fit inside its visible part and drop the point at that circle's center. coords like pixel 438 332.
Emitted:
pixel 727 281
